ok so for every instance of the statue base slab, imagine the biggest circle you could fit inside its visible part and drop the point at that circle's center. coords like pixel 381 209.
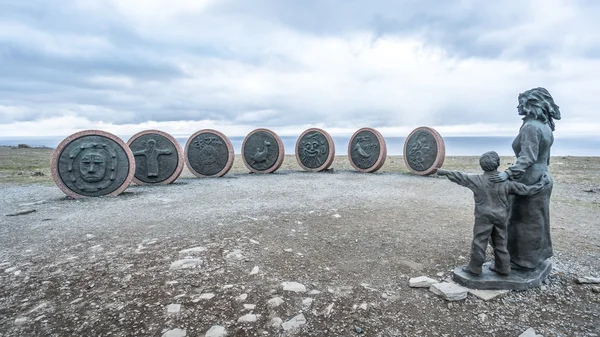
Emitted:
pixel 518 279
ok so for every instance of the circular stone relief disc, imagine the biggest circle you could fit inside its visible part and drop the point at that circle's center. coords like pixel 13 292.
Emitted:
pixel 367 150
pixel 424 151
pixel 262 151
pixel 92 163
pixel 315 150
pixel 209 153
pixel 158 157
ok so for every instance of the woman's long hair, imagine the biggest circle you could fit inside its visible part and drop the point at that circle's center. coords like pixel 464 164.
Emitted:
pixel 540 105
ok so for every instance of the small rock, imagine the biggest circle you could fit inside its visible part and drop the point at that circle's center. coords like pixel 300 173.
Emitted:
pixel 275 302
pixel 293 286
pixel 363 306
pixel 288 250
pixel 192 250
pixel 20 321
pixel 90 236
pixel 314 292
pixel 173 308
pixel 328 310
pixel 96 248
pixel 249 318
pixel 276 322
pixel 449 291
pixel 242 297
pixel 487 295
pixel 75 301
pixel 216 331
pixel 236 254
pixel 254 242
pixel 175 333
pixel 440 274
pixel 529 333
pixel 588 280
pixel 358 330
pixel 249 306
pixel 596 290
pixel 482 317
pixel 10 270
pixel 294 323
pixel 307 302
pixel 254 270
pixel 421 282
pixel 186 264
pixel 337 216
pixel 206 296
pixel 228 286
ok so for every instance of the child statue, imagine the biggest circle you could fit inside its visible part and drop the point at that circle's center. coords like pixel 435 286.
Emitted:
pixel 491 211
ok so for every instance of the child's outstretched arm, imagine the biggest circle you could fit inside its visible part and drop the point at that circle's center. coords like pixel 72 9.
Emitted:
pixel 460 178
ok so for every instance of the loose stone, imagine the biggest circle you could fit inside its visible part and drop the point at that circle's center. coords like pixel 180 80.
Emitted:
pixel 293 286
pixel 242 297
pixel 307 302
pixel 193 250
pixel 588 280
pixel 216 331
pixel 254 270
pixel 249 318
pixel 294 323
pixel 249 306
pixel 529 333
pixel 363 306
pixel 276 322
pixel 487 295
pixel 421 282
pixel 449 291
pixel 173 308
pixel 20 321
pixel 175 333
pixel 206 296
pixel 275 302
pixel 186 264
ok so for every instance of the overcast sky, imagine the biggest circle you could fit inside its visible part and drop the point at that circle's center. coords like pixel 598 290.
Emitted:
pixel 182 65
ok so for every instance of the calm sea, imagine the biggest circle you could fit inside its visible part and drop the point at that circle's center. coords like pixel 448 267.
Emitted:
pixel 455 146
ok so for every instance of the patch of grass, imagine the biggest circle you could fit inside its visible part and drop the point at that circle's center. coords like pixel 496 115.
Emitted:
pixel 20 165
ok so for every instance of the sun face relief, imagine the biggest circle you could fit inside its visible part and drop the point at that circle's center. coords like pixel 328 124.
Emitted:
pixel 314 149
pixel 92 166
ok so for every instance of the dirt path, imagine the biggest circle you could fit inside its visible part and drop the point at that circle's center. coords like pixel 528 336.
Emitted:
pixel 104 266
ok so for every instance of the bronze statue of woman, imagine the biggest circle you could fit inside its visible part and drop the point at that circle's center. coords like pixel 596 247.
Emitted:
pixel 529 242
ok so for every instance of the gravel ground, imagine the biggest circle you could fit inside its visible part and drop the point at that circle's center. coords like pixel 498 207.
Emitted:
pixel 108 266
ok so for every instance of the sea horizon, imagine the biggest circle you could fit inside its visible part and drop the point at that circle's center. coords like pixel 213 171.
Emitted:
pixel 455 145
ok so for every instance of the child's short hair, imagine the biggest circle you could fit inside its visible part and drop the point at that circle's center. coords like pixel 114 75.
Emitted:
pixel 489 161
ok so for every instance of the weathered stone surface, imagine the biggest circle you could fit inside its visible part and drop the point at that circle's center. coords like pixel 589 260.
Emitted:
pixel 487 295
pixel 173 308
pixel 421 282
pixel 449 291
pixel 216 331
pixel 276 322
pixel 517 280
pixel 307 302
pixel 294 323
pixel 293 286
pixel 588 280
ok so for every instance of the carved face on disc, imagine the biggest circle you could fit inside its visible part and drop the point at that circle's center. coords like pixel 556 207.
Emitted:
pixel 313 149
pixel 93 165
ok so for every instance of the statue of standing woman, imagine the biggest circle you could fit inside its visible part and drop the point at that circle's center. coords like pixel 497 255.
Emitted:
pixel 529 242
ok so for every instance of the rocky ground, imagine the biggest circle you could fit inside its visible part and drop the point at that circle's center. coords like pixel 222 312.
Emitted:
pixel 290 253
